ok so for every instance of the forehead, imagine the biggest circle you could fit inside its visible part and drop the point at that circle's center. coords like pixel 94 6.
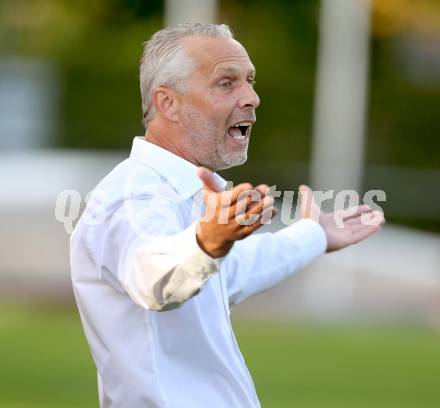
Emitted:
pixel 216 54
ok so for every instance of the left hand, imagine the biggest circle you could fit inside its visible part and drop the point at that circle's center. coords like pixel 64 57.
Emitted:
pixel 358 223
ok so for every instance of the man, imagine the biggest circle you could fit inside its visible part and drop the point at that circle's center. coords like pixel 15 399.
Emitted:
pixel 152 278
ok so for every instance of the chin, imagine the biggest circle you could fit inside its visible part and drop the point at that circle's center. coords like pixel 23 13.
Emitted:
pixel 227 164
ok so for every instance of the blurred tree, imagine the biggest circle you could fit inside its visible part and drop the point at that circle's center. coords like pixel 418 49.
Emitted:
pixel 97 45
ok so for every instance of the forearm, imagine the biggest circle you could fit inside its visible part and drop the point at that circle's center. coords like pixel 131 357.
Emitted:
pixel 165 274
pixel 260 261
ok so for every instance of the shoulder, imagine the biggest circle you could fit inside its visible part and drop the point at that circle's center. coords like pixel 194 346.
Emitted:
pixel 130 180
pixel 130 187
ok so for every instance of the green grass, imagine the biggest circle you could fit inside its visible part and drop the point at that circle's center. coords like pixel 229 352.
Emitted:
pixel 343 367
pixel 45 363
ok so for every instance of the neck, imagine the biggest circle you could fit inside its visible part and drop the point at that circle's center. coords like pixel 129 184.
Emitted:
pixel 169 138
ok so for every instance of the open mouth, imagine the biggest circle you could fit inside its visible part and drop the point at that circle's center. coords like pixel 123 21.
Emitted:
pixel 240 131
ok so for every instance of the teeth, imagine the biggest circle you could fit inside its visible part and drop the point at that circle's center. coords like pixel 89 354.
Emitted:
pixel 240 137
pixel 243 124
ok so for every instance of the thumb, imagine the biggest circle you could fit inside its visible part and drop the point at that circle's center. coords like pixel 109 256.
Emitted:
pixel 207 178
pixel 306 201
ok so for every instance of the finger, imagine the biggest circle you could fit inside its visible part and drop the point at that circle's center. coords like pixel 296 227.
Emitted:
pixel 364 232
pixel 212 205
pixel 240 196
pixel 248 199
pixel 305 195
pixel 352 212
pixel 253 214
pixel 263 189
pixel 267 214
pixel 246 230
pixel 241 191
pixel 353 221
pixel 369 218
pixel 263 205
pixel 308 208
pixel 207 178
pixel 374 218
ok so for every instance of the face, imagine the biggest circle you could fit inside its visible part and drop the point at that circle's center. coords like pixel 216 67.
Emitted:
pixel 218 107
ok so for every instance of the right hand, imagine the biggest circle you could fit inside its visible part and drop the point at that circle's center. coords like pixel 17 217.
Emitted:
pixel 228 214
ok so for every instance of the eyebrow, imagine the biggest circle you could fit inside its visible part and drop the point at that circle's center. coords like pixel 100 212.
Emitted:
pixel 231 70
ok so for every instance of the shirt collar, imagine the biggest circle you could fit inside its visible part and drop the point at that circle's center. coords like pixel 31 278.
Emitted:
pixel 179 172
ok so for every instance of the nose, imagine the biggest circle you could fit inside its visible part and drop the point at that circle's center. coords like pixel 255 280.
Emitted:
pixel 249 98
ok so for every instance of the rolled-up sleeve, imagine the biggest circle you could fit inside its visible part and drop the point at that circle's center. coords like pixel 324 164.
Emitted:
pixel 166 273
pixel 260 261
pixel 157 261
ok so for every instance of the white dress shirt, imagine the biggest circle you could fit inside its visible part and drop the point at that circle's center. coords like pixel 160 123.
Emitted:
pixel 154 306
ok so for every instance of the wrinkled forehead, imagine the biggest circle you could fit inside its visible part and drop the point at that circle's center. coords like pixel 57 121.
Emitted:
pixel 214 54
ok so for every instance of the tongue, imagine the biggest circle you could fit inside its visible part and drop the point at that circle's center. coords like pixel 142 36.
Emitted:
pixel 234 132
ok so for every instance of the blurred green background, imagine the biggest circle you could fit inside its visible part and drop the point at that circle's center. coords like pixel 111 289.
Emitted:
pixel 45 363
pixel 94 48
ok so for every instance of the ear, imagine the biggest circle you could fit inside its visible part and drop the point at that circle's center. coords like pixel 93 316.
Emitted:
pixel 166 102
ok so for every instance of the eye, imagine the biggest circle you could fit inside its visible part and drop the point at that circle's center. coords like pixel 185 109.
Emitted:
pixel 225 84
pixel 251 81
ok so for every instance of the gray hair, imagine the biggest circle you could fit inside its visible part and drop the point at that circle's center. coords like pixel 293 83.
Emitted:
pixel 164 61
